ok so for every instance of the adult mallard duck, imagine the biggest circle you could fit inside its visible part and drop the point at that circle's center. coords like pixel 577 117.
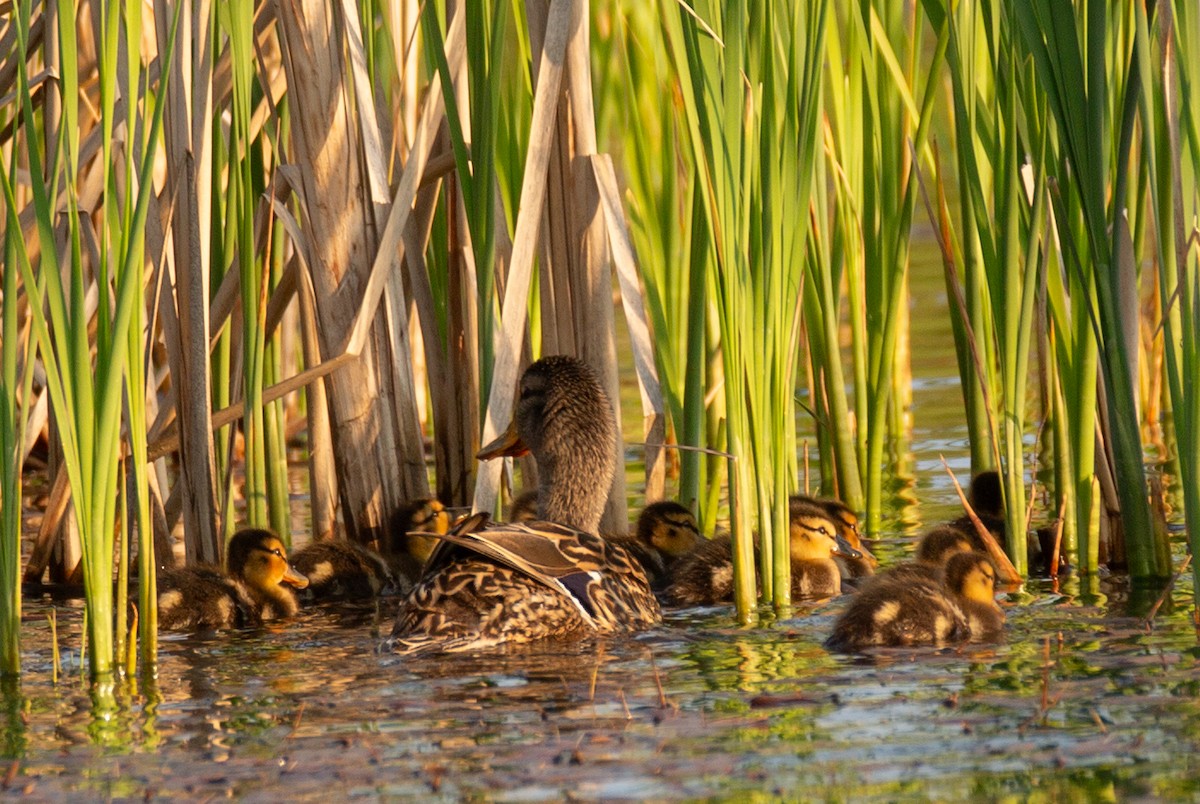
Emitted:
pixel 705 577
pixel 253 590
pixel 555 577
pixel 921 611
pixel 847 524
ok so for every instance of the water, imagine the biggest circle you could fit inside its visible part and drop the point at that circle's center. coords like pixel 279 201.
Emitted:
pixel 1085 700
pixel 1080 702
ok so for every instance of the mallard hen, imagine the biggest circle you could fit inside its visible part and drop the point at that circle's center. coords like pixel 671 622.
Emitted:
pixel 554 577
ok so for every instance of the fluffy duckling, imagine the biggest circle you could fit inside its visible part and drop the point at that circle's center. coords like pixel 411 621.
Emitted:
pixel 934 550
pixel 343 570
pixel 666 533
pixel 252 591
pixel 847 524
pixel 919 611
pixel 554 577
pixel 705 577
pixel 408 550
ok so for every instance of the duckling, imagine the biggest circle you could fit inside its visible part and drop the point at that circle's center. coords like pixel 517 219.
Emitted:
pixel 934 550
pixel 919 611
pixel 340 569
pixel 971 579
pixel 251 592
pixel 408 550
pixel 552 578
pixel 847 524
pixel 986 495
pixel 666 533
pixel 705 577
pixel 523 507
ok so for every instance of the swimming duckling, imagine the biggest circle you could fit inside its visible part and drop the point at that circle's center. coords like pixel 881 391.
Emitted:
pixel 341 569
pixel 847 524
pixel 705 577
pixel 934 550
pixel 507 583
pixel 251 592
pixel 919 611
pixel 408 550
pixel 666 533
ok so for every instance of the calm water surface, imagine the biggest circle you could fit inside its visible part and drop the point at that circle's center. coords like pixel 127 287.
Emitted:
pixel 1085 700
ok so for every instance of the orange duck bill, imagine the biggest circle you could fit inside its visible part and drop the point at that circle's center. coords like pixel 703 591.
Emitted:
pixel 507 444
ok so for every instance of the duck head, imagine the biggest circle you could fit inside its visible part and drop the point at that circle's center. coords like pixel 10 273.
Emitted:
pixel 814 536
pixel 972 577
pixel 564 419
pixel 669 528
pixel 939 544
pixel 425 516
pixel 258 558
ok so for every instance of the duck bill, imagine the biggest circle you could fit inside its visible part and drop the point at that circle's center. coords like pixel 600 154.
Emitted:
pixel 293 578
pixel 844 548
pixel 508 444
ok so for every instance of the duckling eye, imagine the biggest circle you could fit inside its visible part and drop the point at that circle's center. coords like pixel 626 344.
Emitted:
pixel 276 552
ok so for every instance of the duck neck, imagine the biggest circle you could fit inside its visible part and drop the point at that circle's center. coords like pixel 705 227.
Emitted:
pixel 575 498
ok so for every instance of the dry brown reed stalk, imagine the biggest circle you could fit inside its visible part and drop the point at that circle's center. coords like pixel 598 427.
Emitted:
pixel 380 453
pixel 1008 573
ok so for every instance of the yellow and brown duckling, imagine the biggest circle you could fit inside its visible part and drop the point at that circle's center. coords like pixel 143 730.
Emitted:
pixel 934 550
pixel 551 578
pixel 705 577
pixel 905 611
pixel 254 589
pixel 408 549
pixel 666 533
pixel 847 524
